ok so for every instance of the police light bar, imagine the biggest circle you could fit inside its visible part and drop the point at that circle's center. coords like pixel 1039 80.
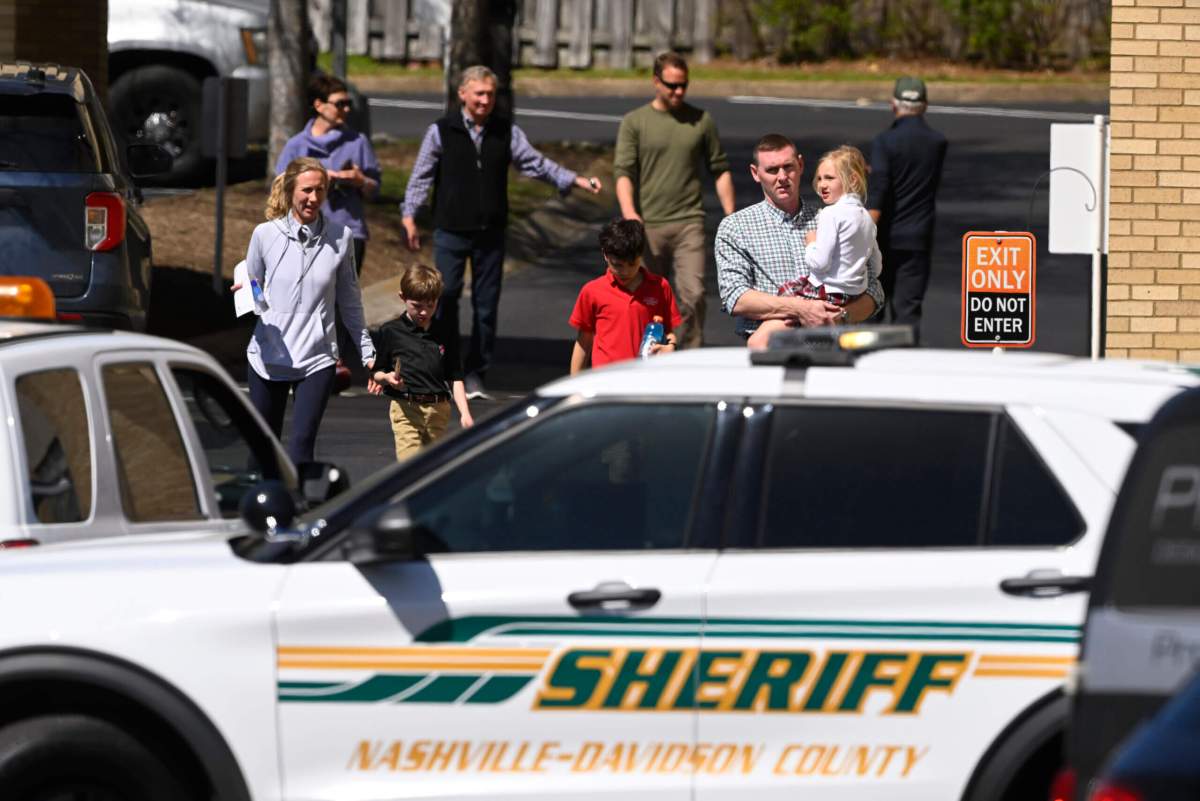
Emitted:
pixel 834 346
pixel 22 296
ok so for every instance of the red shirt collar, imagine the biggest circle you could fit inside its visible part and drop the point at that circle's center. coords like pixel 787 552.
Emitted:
pixel 612 279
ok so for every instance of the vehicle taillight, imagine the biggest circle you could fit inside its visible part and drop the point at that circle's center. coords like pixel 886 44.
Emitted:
pixel 1063 786
pixel 1106 791
pixel 104 221
pixel 70 317
pixel 26 543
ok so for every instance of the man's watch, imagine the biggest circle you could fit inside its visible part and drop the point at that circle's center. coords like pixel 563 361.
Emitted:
pixel 844 318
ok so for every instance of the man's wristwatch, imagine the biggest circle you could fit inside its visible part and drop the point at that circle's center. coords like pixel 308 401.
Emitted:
pixel 844 318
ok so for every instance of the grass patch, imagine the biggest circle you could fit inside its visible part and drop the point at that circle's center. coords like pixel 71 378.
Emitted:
pixel 365 65
pixel 883 70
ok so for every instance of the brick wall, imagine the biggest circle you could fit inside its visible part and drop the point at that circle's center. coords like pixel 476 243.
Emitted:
pixel 1154 238
pixel 69 32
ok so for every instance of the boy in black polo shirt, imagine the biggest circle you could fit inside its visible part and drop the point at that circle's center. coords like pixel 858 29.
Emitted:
pixel 425 373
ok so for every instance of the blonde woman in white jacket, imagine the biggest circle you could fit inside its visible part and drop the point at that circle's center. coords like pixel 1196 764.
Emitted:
pixel 304 265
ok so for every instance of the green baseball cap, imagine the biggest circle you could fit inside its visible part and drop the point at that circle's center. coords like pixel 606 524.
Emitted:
pixel 909 88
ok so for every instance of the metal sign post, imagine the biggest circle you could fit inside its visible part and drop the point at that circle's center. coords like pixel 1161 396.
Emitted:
pixel 226 110
pixel 999 286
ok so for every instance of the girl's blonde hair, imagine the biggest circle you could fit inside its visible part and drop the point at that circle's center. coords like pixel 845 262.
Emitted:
pixel 279 202
pixel 851 167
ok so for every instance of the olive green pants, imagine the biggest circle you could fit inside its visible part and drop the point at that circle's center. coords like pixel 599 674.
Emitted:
pixel 676 251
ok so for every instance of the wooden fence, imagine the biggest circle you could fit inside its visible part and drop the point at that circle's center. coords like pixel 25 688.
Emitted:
pixel 548 33
pixel 579 34
pixel 612 33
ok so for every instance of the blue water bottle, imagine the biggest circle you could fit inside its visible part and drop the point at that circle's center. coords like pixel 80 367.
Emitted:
pixel 260 300
pixel 653 336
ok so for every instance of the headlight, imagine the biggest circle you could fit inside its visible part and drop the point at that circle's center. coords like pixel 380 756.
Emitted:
pixel 254 42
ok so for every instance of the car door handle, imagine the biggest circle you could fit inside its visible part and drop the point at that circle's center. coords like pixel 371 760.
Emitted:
pixel 1035 586
pixel 619 596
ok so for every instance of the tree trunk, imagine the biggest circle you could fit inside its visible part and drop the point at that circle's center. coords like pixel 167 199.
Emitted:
pixel 481 32
pixel 288 44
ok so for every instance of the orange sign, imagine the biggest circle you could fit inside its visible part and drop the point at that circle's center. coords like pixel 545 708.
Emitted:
pixel 999 281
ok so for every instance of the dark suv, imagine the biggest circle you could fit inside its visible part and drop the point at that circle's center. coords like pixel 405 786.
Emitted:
pixel 68 208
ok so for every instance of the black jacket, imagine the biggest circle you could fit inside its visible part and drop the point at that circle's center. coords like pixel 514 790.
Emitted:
pixel 906 169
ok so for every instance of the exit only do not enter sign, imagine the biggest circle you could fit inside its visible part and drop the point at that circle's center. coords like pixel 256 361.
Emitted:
pixel 999 284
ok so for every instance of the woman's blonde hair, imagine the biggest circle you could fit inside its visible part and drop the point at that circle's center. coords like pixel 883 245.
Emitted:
pixel 851 167
pixel 279 202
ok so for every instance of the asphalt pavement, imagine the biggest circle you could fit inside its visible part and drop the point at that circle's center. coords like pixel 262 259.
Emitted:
pixel 994 179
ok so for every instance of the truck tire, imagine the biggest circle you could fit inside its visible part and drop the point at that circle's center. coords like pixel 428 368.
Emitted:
pixel 158 104
pixel 68 756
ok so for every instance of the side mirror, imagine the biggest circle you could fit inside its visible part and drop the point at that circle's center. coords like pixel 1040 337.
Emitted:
pixel 390 535
pixel 268 506
pixel 148 160
pixel 320 481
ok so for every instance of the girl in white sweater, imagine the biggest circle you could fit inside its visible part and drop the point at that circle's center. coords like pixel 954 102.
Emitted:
pixel 842 254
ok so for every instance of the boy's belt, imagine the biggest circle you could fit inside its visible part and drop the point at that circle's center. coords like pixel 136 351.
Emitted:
pixel 421 397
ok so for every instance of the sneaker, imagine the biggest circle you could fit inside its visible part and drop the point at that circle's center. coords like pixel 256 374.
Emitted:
pixel 474 387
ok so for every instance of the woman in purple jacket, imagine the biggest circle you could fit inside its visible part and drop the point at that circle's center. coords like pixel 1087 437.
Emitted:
pixel 347 155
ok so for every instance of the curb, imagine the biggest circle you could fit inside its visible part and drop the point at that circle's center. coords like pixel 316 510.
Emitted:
pixel 940 91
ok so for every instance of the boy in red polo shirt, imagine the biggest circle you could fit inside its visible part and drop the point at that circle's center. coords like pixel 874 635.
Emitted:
pixel 612 311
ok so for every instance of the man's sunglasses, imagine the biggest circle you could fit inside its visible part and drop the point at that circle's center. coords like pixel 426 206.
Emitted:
pixel 344 105
pixel 673 86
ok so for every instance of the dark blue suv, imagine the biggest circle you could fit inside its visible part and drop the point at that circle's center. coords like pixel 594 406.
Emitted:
pixel 68 207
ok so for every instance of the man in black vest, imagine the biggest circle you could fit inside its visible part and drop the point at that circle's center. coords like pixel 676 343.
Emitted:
pixel 465 157
pixel 906 168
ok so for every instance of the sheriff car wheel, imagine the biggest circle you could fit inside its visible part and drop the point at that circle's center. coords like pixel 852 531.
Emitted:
pixel 79 758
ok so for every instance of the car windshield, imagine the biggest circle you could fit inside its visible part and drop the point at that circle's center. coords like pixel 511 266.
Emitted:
pixel 44 133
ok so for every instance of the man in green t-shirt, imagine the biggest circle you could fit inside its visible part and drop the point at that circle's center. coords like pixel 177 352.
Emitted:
pixel 661 148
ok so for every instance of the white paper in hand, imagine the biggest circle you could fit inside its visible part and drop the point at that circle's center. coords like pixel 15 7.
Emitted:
pixel 243 298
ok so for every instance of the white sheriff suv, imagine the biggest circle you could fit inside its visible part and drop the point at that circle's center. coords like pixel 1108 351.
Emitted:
pixel 807 573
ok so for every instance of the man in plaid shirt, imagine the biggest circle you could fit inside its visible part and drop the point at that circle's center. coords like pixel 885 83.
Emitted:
pixel 761 248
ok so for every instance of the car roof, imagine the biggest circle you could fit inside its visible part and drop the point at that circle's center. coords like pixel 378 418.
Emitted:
pixel 1126 390
pixel 21 77
pixel 15 333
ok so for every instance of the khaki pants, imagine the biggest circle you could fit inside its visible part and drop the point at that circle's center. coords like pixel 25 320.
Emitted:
pixel 676 251
pixel 415 425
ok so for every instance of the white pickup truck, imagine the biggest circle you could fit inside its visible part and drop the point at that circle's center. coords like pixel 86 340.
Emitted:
pixel 160 52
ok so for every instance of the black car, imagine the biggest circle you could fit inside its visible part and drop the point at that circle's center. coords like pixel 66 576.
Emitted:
pixel 68 206
pixel 1141 641
pixel 1158 762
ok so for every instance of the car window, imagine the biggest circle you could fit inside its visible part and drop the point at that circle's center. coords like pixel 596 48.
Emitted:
pixel 839 477
pixel 597 477
pixel 152 464
pixel 1027 506
pixel 45 132
pixel 238 452
pixel 58 449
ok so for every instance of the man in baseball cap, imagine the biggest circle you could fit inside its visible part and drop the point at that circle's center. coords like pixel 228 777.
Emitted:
pixel 906 168
pixel 909 89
